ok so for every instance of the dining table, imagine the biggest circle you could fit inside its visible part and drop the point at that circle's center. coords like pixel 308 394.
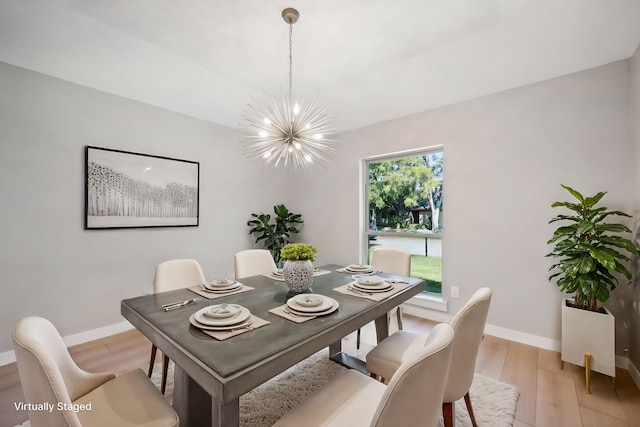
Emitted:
pixel 210 375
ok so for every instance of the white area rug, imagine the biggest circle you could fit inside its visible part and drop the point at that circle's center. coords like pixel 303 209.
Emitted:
pixel 494 402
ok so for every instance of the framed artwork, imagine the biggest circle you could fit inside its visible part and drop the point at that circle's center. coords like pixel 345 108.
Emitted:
pixel 133 190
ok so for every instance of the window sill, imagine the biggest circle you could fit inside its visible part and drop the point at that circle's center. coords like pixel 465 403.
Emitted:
pixel 429 301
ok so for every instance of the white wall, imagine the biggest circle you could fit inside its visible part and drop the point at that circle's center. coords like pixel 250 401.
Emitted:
pixel 49 265
pixel 634 300
pixel 505 155
pixel 505 158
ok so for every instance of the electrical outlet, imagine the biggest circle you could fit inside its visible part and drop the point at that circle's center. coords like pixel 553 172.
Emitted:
pixel 455 292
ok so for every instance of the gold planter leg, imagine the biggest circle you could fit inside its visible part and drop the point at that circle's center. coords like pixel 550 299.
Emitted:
pixel 587 371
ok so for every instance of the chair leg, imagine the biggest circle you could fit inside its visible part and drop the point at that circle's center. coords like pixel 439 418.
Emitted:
pixel 165 369
pixel 449 414
pixel 467 401
pixel 399 316
pixel 358 340
pixel 154 349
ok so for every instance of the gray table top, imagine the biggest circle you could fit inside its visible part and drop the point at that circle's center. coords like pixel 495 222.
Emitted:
pixel 240 352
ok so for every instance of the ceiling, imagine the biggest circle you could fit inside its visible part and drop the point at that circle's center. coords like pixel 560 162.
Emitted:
pixel 368 60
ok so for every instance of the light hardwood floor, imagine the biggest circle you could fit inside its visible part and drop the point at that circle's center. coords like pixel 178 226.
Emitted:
pixel 549 396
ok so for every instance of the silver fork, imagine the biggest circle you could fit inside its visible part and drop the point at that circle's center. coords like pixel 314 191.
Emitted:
pixel 173 306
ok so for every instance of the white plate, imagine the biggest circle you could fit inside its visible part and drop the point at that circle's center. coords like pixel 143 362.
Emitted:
pixel 370 281
pixel 334 306
pixel 359 267
pixel 201 317
pixel 221 289
pixel 278 272
pixel 325 305
pixel 375 289
pixel 199 325
pixel 221 283
pixel 308 300
pixel 222 311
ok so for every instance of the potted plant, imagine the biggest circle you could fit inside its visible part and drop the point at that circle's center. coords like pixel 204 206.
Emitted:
pixel 298 268
pixel 273 233
pixel 589 254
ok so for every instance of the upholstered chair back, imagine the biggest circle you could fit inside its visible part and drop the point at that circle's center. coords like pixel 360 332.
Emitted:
pixel 392 261
pixel 253 262
pixel 49 374
pixel 414 394
pixel 177 274
pixel 468 325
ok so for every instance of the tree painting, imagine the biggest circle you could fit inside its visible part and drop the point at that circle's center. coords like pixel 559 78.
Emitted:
pixel 398 187
pixel 127 189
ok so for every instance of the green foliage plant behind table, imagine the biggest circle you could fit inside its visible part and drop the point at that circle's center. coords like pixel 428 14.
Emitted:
pixel 588 250
pixel 273 233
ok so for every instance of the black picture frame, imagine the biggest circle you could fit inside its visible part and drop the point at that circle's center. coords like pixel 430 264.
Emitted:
pixel 124 189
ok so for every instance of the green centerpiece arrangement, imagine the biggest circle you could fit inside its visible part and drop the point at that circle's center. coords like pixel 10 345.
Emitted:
pixel 298 265
pixel 590 253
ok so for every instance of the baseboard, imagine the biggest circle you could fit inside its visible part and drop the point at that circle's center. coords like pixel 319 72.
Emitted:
pixel 635 374
pixel 79 338
pixel 512 335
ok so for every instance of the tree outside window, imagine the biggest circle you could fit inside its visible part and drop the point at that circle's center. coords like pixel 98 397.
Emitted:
pixel 405 210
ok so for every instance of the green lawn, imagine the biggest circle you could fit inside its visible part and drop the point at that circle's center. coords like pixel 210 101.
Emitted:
pixel 427 268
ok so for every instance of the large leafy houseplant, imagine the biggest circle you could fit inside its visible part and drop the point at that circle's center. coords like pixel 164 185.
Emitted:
pixel 274 232
pixel 588 250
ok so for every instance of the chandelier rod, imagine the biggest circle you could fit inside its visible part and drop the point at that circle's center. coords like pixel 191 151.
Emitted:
pixel 290 57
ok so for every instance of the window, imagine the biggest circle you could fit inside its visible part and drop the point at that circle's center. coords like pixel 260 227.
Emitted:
pixel 402 208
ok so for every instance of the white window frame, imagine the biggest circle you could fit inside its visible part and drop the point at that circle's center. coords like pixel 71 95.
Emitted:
pixel 424 299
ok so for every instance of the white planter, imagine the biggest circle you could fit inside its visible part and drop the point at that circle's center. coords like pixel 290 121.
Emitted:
pixel 587 332
pixel 298 275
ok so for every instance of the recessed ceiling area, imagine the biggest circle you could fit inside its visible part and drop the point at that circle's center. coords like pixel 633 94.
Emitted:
pixel 368 60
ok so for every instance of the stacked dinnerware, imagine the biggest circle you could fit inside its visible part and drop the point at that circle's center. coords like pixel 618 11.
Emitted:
pixel 221 317
pixel 372 284
pixel 222 286
pixel 311 305
pixel 359 269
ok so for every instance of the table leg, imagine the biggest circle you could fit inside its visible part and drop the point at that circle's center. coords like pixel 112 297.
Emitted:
pixel 382 328
pixel 224 415
pixel 335 348
pixel 190 401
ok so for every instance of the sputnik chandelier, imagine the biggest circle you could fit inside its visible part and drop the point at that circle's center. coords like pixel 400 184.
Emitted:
pixel 294 135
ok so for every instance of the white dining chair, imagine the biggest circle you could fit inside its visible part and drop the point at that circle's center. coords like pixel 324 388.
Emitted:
pixel 252 262
pixel 468 325
pixel 169 276
pixel 391 261
pixel 412 398
pixel 49 375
